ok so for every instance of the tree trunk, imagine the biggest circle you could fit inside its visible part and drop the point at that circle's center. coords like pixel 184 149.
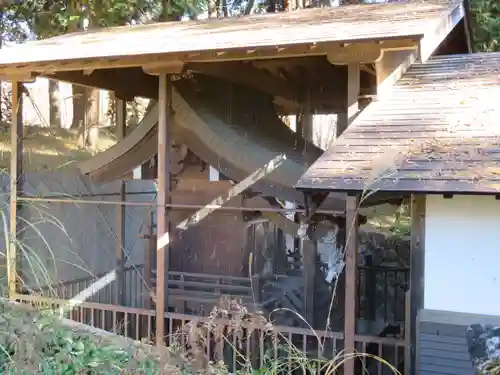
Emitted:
pixel 90 134
pixel 225 11
pixel 54 109
pixel 111 111
pixel 79 107
pixel 212 9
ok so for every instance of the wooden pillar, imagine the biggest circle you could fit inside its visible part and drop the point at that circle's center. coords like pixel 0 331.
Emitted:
pixel 309 250
pixel 417 265
pixel 149 251
pixel 164 198
pixel 353 87
pixel 121 124
pixel 351 270
pixel 16 183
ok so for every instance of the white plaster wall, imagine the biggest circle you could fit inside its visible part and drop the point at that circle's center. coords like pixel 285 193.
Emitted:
pixel 462 254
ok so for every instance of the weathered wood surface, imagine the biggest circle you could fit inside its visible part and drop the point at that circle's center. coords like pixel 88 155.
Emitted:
pixel 438 131
pixel 279 35
pixel 237 147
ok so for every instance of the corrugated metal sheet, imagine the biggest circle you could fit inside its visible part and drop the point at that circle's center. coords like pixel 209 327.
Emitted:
pixel 437 131
pixel 349 23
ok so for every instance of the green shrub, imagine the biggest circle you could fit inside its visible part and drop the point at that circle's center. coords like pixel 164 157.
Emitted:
pixel 485 22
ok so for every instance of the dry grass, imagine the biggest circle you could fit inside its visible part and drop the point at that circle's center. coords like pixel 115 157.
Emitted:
pixel 47 149
pixel 40 342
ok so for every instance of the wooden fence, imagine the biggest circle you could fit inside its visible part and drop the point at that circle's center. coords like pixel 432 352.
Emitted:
pixel 240 341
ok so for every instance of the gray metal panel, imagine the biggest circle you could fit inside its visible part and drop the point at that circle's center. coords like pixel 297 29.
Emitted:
pixel 437 131
pixel 442 343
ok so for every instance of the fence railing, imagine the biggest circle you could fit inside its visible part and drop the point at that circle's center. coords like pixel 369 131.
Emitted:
pixel 134 288
pixel 381 291
pixel 193 293
pixel 239 341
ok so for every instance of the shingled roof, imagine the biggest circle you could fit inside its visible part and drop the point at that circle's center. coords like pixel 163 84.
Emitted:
pixel 438 131
pixel 311 28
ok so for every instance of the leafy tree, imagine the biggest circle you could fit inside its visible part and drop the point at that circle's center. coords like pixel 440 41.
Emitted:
pixel 485 17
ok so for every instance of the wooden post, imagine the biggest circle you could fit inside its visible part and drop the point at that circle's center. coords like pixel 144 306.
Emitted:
pixel 351 265
pixel 16 183
pixel 417 265
pixel 148 262
pixel 164 198
pixel 353 86
pixel 121 124
pixel 309 261
pixel 305 128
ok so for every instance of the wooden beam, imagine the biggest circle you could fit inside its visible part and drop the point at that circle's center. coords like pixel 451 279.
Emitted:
pixel 353 54
pixel 121 126
pixel 247 75
pixel 125 83
pixel 167 67
pixel 164 198
pixel 20 76
pixel 363 53
pixel 417 268
pixel 432 39
pixel 467 29
pixel 351 105
pixel 391 68
pixel 132 82
pixel 351 269
pixel 367 69
pixel 16 183
pixel 239 54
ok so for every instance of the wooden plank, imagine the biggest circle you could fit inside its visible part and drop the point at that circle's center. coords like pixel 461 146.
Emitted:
pixel 351 261
pixel 14 266
pixel 374 22
pixel 163 227
pixel 434 37
pixel 391 68
pixel 149 250
pixel 189 285
pixel 196 294
pixel 121 125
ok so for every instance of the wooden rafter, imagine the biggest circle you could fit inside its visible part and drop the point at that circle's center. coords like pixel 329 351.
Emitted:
pixel 247 75
pixel 332 49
